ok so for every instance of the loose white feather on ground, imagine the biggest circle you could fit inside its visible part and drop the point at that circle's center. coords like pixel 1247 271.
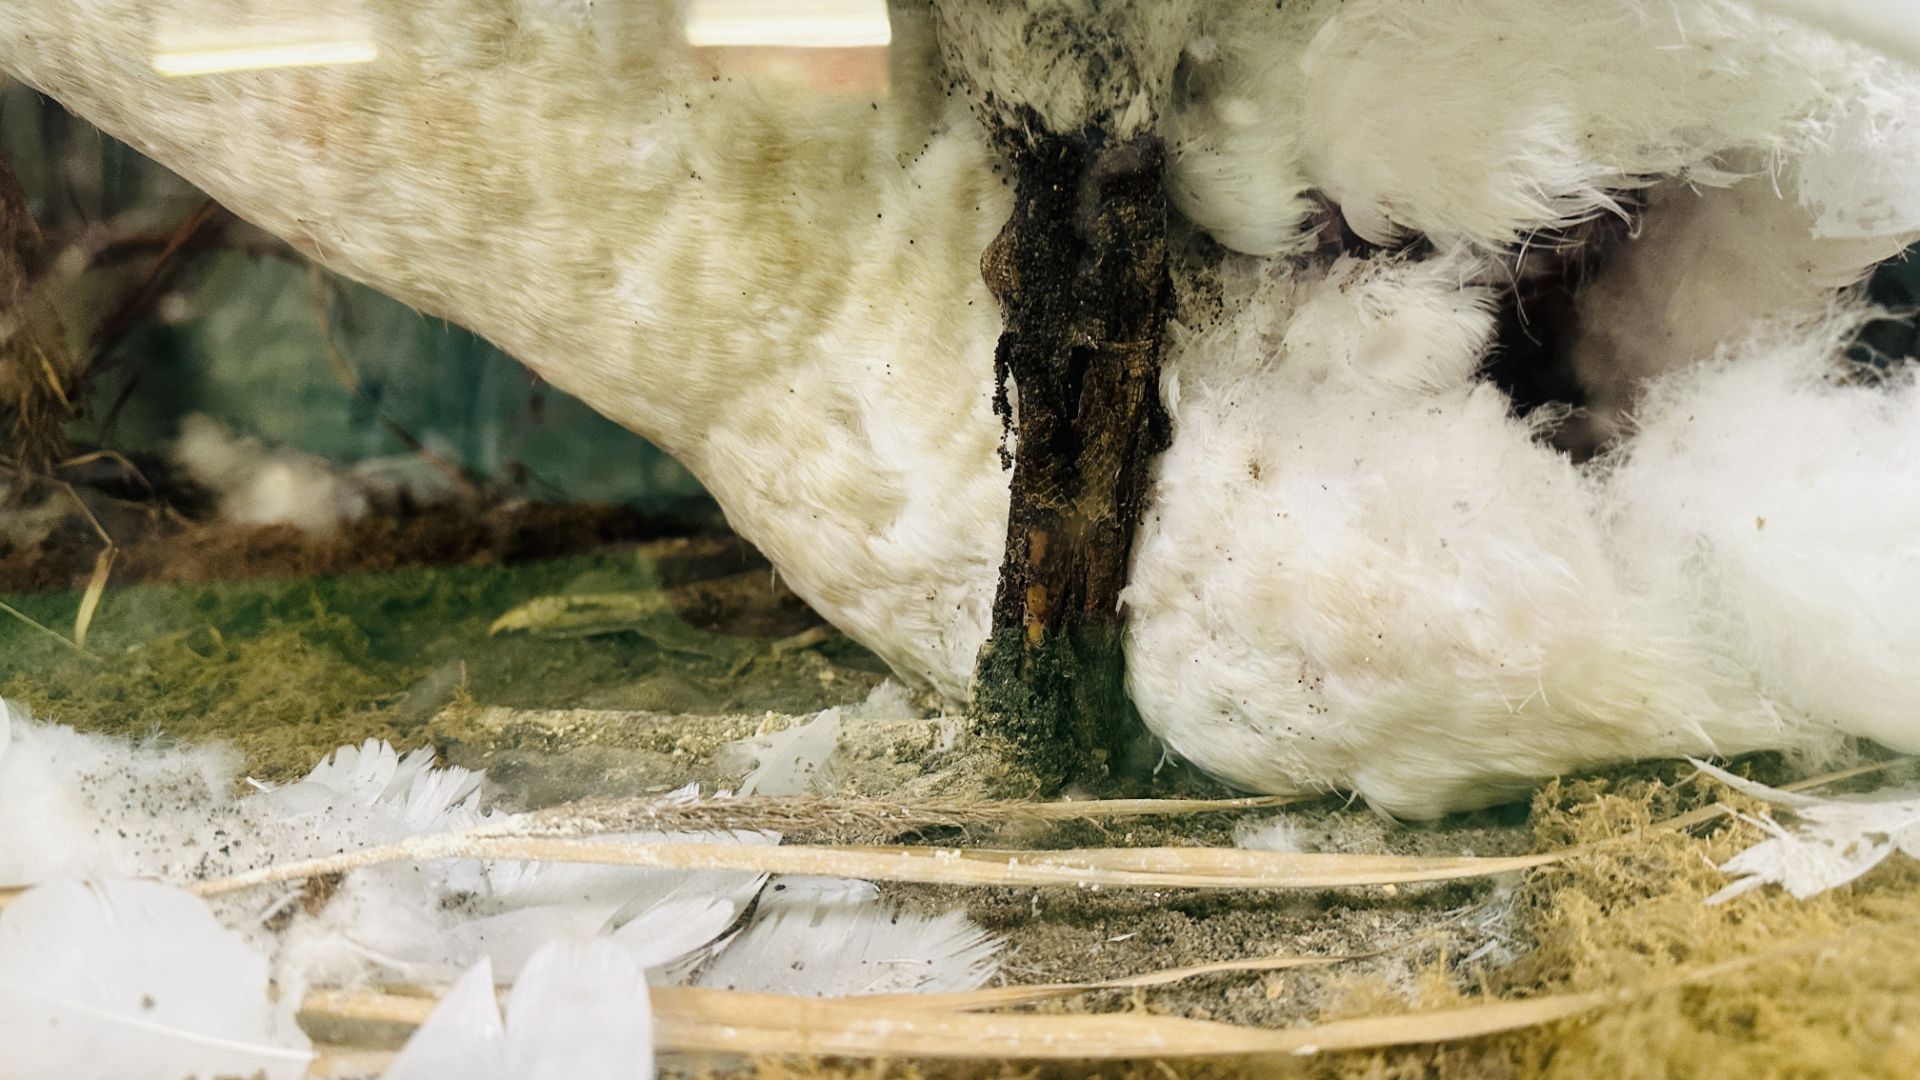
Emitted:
pixel 85 805
pixel 804 758
pixel 798 760
pixel 578 1012
pixel 830 938
pixel 1835 840
pixel 132 980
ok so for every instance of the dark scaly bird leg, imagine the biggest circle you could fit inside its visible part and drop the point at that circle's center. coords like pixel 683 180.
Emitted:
pixel 1080 271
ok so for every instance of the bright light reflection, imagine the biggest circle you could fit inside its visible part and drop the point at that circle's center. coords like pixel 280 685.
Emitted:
pixel 257 35
pixel 800 24
pixel 212 61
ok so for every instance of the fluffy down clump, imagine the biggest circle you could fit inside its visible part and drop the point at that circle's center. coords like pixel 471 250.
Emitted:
pixel 1775 497
pixel 257 484
pixel 1363 571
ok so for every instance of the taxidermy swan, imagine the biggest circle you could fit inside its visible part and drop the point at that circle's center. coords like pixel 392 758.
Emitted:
pixel 1362 568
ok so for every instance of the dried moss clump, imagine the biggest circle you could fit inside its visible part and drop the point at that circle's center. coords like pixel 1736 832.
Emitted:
pixel 1762 986
pixel 285 697
pixel 288 669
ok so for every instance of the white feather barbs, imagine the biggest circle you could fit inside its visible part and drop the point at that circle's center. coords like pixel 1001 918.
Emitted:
pixel 138 980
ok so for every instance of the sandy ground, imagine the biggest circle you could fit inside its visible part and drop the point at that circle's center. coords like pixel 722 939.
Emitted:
pixel 543 757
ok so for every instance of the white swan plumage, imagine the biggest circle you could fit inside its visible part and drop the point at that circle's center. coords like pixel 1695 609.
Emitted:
pixel 1360 571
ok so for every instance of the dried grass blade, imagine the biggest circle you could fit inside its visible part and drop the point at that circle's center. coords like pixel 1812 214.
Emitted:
pixel 697 1020
pixel 42 628
pixel 342 1062
pixel 114 456
pixel 52 377
pixel 706 1021
pixel 90 600
pixel 1161 868
pixel 1292 870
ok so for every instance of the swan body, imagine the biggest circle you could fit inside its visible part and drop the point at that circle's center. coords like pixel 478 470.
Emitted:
pixel 1360 570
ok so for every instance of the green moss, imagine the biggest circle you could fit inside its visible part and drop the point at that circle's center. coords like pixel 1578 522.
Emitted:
pixel 289 669
pixel 285 695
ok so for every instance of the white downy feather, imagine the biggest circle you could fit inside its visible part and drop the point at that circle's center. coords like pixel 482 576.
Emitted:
pixel 1355 834
pixel 258 484
pixel 1835 841
pixel 374 789
pixel 659 915
pixel 1279 835
pixel 796 761
pixel 579 1011
pixel 1491 120
pixel 676 926
pixel 1361 572
pixel 804 758
pixel 428 923
pixel 88 806
pixel 891 700
pixel 461 1037
pixel 130 980
pixel 167 812
pixel 823 937
pixel 58 787
pixel 375 772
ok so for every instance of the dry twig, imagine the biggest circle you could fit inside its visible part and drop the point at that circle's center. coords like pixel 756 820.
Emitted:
pixel 699 1020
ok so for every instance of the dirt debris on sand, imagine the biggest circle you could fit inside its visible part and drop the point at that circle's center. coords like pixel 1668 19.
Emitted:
pixel 1804 989
pixel 286 668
